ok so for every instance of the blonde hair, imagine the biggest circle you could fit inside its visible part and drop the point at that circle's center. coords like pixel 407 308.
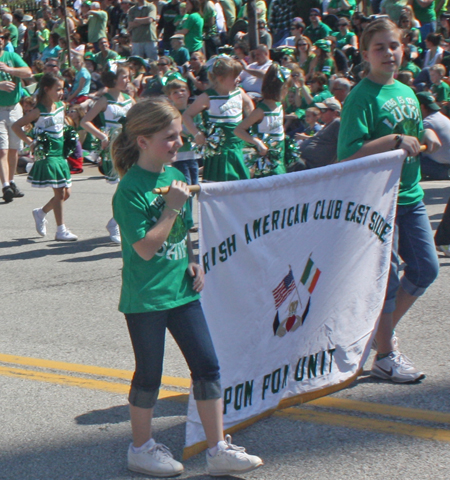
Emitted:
pixel 439 68
pixel 223 67
pixel 144 119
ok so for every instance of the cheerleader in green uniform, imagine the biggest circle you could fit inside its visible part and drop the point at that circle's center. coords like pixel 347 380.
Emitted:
pixel 52 170
pixel 266 122
pixel 224 106
pixel 111 108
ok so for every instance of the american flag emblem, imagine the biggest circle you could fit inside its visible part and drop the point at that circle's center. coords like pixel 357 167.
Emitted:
pixel 284 289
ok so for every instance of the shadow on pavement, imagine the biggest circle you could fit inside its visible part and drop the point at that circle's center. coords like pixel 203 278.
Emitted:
pixel 52 247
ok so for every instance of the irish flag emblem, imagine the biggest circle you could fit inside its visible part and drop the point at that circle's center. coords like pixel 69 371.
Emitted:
pixel 310 276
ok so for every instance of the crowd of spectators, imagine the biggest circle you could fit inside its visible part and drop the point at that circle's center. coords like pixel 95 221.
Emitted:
pixel 316 44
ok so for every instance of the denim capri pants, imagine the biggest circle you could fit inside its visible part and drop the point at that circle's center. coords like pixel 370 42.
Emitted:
pixel 414 244
pixel 188 327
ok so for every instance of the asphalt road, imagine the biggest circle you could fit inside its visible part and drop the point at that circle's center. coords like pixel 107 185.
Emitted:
pixel 65 358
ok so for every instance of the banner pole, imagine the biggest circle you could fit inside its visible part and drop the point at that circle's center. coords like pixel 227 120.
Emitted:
pixel 164 190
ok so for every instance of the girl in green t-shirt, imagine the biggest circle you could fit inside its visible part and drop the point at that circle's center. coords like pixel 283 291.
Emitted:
pixel 381 114
pixel 161 281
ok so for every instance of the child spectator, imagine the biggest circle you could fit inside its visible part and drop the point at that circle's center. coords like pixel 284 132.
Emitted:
pixel 439 88
pixel 186 162
pixel 406 77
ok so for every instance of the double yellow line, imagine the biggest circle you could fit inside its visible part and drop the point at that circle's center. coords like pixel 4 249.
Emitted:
pixel 82 382
pixel 309 415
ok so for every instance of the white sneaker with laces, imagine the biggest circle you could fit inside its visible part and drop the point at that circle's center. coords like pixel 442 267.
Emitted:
pixel 157 461
pixel 230 459
pixel 41 222
pixel 397 368
pixel 114 232
pixel 65 236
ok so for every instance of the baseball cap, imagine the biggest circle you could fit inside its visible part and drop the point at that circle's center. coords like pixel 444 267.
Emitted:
pixel 323 45
pixel 178 36
pixel 27 18
pixel 330 103
pixel 427 99
pixel 315 11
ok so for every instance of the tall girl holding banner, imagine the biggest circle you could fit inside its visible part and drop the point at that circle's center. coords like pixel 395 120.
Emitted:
pixel 52 170
pixel 267 121
pixel 379 115
pixel 112 109
pixel 223 107
pixel 160 290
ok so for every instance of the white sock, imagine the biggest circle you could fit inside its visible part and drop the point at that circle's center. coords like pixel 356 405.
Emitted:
pixel 41 212
pixel 61 228
pixel 144 448
pixel 220 446
pixel 6 184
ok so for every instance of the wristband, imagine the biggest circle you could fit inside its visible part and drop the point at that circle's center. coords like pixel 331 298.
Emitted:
pixel 398 141
pixel 174 210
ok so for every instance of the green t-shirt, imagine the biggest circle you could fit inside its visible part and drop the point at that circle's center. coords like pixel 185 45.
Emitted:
pixel 441 92
pixel 180 56
pixel 320 97
pixel 424 14
pixel 162 282
pixel 317 33
pixel 343 40
pixel 342 12
pixel 103 61
pixel 97 26
pixel 326 67
pixel 411 67
pixel 14 34
pixel 45 35
pixel 209 19
pixel 143 33
pixel 193 39
pixel 373 111
pixel 11 59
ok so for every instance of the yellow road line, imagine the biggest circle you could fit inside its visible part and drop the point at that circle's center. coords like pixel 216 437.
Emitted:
pixel 382 409
pixel 55 378
pixel 358 423
pixel 293 413
pixel 79 368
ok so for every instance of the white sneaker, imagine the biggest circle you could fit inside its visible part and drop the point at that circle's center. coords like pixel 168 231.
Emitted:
pixel 41 221
pixel 157 461
pixel 231 459
pixel 114 232
pixel 397 368
pixel 445 249
pixel 65 236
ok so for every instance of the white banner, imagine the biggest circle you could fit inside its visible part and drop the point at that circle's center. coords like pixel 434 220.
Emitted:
pixel 296 270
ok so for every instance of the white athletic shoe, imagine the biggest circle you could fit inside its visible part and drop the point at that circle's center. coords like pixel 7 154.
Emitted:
pixel 41 221
pixel 231 459
pixel 114 232
pixel 445 249
pixel 397 368
pixel 157 461
pixel 65 236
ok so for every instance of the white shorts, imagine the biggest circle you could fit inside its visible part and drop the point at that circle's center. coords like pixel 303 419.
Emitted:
pixel 8 139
